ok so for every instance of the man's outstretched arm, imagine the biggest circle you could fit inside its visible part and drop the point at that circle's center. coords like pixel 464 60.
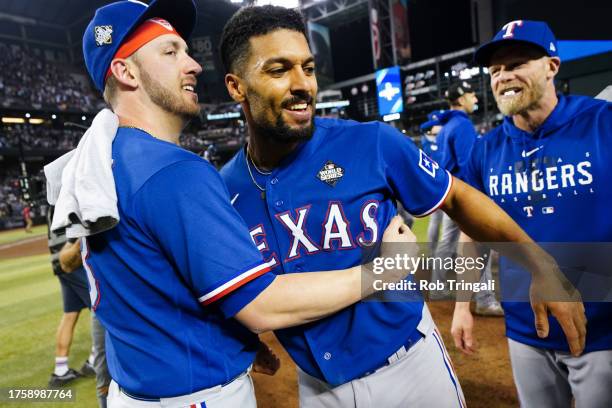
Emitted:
pixel 482 220
pixel 300 298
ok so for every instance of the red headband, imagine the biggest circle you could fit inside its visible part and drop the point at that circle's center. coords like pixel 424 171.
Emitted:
pixel 146 32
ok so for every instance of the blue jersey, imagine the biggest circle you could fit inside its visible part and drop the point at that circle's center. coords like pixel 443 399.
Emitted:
pixel 455 141
pixel 162 281
pixel 324 204
pixel 557 185
pixel 430 146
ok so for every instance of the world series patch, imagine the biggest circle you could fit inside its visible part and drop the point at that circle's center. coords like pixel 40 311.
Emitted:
pixel 103 35
pixel 331 173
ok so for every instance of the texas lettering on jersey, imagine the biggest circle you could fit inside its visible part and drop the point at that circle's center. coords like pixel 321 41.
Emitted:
pixel 336 234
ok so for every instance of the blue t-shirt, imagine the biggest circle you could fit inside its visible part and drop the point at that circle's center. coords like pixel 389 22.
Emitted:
pixel 556 184
pixel 455 141
pixel 325 204
pixel 161 280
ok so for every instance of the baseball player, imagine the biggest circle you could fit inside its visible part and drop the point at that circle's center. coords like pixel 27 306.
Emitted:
pixel 562 145
pixel 178 284
pixel 315 193
pixel 454 141
pixel 430 130
pixel 27 217
pixel 75 298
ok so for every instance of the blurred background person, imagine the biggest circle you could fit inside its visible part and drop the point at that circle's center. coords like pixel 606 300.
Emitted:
pixel 429 145
pixel 75 298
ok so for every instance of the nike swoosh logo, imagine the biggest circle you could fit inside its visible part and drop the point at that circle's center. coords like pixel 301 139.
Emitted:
pixel 529 153
pixel 233 200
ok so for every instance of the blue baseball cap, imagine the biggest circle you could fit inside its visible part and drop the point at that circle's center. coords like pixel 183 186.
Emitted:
pixel 536 33
pixel 113 23
pixel 433 119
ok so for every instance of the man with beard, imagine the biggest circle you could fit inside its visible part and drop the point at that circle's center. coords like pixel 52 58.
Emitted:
pixel 548 166
pixel 178 283
pixel 314 193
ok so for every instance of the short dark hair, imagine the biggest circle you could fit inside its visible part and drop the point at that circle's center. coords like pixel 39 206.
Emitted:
pixel 253 21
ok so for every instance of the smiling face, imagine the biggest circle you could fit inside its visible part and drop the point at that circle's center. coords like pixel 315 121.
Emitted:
pixel 168 75
pixel 279 86
pixel 520 77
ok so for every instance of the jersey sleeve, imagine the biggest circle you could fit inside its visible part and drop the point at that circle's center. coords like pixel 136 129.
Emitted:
pixel 472 173
pixel 186 208
pixel 417 181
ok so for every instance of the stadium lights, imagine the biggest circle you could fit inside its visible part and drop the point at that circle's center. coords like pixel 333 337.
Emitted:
pixel 27 115
pixel 468 73
pixel 12 120
pixel 220 116
pixel 282 3
pixel 333 104
pixel 392 116
pixel 83 118
pixel 36 121
pixel 465 74
pixel 54 116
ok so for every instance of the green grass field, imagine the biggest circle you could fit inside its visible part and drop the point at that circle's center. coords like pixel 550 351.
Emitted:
pixel 30 309
pixel 6 237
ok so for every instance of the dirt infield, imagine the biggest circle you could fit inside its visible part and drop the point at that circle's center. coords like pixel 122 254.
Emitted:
pixel 26 247
pixel 486 377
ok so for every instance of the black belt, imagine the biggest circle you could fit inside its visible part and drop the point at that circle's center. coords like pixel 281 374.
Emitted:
pixel 138 397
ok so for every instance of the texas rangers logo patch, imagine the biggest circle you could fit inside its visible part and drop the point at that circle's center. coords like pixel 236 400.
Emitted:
pixel 427 164
pixel 331 173
pixel 103 34
pixel 162 23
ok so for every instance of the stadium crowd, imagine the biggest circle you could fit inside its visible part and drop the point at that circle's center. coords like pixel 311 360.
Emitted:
pixel 38 137
pixel 11 203
pixel 31 81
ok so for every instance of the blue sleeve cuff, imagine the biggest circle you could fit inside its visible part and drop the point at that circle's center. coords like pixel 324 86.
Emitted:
pixel 233 302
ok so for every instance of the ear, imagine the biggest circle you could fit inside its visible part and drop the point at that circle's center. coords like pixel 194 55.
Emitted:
pixel 554 63
pixel 235 88
pixel 124 72
pixel 462 100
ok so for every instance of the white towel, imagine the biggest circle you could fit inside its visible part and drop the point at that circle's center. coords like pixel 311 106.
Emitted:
pixel 606 94
pixel 81 185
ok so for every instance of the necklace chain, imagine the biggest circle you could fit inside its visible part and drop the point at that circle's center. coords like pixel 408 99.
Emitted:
pixel 248 159
pixel 263 173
